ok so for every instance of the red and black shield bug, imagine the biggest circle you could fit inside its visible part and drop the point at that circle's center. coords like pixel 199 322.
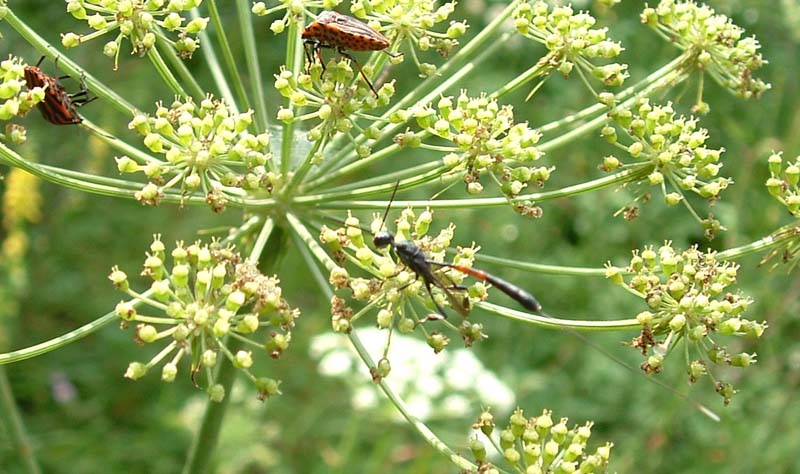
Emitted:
pixel 59 106
pixel 341 32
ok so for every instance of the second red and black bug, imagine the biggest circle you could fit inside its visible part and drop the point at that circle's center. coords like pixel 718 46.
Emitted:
pixel 341 32
pixel 59 106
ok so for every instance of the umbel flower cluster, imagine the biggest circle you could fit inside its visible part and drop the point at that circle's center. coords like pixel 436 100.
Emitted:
pixel 335 97
pixel 15 98
pixel 210 305
pixel 539 445
pixel 142 22
pixel 674 147
pixel 571 40
pixel 205 146
pixel 713 43
pixel 394 289
pixel 402 22
pixel 690 306
pixel 483 139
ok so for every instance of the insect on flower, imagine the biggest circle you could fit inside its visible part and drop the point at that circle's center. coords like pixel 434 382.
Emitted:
pixel 341 32
pixel 59 106
pixel 418 262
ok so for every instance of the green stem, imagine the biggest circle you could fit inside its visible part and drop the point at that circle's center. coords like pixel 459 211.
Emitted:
pixel 541 268
pixel 294 60
pixel 631 174
pixel 253 67
pixel 212 62
pixel 420 427
pixel 227 55
pixel 165 72
pixel 118 144
pixel 168 51
pixel 205 442
pixel 550 322
pixel 261 241
pixel 67 65
pixel 15 428
pixel 53 175
pixel 60 341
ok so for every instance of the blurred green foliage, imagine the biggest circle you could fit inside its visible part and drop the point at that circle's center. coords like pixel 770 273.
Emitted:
pixel 115 425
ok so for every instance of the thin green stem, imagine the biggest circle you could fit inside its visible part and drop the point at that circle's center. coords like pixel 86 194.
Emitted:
pixel 53 175
pixel 550 322
pixel 542 268
pixel 67 65
pixel 630 174
pixel 519 81
pixel 200 454
pixel 165 72
pixel 302 232
pixel 420 427
pixel 212 62
pixel 15 428
pixel 294 60
pixel 114 142
pixel 253 66
pixel 168 51
pixel 261 241
pixel 60 341
pixel 376 189
pixel 227 55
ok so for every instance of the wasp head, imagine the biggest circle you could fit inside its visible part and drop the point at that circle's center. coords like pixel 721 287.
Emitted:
pixel 383 238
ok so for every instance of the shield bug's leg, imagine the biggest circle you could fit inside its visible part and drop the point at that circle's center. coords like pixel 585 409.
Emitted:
pixel 352 59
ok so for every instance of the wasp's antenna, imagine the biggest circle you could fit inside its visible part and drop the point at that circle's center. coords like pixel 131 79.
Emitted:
pixel 391 200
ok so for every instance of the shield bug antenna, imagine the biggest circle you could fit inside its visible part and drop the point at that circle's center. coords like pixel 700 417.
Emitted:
pixel 58 106
pixel 418 262
pixel 341 32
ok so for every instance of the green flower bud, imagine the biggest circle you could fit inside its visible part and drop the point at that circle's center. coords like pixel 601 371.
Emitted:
pixel 136 370
pixel 216 393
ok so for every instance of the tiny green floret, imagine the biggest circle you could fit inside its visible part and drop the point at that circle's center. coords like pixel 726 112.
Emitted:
pixel 206 294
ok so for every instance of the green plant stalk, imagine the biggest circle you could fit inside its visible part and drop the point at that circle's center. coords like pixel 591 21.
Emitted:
pixel 630 174
pixel 227 55
pixel 204 444
pixel 67 65
pixel 15 428
pixel 116 143
pixel 165 73
pixel 546 321
pixel 294 59
pixel 63 340
pixel 168 51
pixel 253 66
pixel 541 268
pixel 392 177
pixel 377 189
pixel 51 174
pixel 420 427
pixel 212 62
